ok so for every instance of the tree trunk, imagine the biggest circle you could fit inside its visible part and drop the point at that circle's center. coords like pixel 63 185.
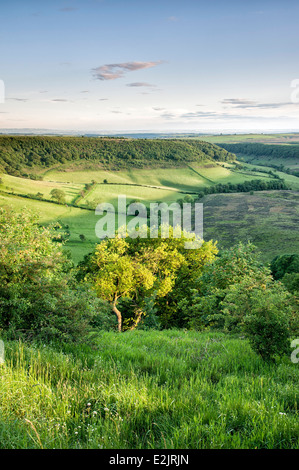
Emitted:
pixel 118 315
pixel 137 319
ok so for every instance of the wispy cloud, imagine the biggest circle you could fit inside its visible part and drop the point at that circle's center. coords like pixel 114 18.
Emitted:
pixel 114 71
pixel 265 105
pixel 249 104
pixel 172 18
pixel 18 99
pixel 139 84
pixel 211 115
pixel 237 101
pixel 61 100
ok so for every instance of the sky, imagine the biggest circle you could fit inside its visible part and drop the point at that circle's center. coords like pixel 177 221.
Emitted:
pixel 157 66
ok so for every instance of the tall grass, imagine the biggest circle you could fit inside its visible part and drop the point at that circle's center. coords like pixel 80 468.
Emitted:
pixel 147 389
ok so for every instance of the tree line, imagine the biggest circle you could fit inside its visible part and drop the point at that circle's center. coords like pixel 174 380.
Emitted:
pixel 19 154
pixel 263 150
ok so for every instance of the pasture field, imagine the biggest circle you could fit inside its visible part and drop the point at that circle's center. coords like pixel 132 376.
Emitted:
pixel 32 187
pixel 291 181
pixel 269 219
pixel 187 179
pixel 74 220
pixel 170 389
pixel 219 174
pixel 272 229
pixel 183 179
pixel 291 163
pixel 110 192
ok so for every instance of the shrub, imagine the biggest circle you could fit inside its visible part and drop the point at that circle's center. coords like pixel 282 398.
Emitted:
pixel 38 295
pixel 264 313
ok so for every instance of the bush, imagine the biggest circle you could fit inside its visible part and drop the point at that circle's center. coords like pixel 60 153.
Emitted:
pixel 237 294
pixel 264 313
pixel 39 297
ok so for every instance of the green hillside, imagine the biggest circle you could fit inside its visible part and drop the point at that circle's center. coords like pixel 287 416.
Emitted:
pixel 21 155
pixel 164 171
pixel 269 219
pixel 171 389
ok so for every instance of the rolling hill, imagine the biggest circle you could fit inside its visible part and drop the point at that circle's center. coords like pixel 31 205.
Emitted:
pixel 161 171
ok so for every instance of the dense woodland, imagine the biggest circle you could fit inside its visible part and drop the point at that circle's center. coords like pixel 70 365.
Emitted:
pixel 20 152
pixel 263 150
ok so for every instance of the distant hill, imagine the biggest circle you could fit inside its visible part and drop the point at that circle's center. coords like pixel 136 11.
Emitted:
pixel 19 154
pixel 263 149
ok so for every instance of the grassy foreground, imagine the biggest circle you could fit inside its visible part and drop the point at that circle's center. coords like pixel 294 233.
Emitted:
pixel 147 389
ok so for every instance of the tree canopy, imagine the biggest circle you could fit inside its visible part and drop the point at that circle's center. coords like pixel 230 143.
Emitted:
pixel 138 268
pixel 19 154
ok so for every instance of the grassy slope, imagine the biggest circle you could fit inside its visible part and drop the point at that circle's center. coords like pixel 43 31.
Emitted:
pixel 268 219
pixel 109 193
pixel 180 178
pixel 273 234
pixel 291 163
pixel 31 187
pixel 183 179
pixel 80 221
pixel 148 389
pixel 290 180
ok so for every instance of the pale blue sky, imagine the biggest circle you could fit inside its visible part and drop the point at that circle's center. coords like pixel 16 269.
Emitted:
pixel 159 65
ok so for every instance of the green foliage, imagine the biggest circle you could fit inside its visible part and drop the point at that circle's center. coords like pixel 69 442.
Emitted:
pixel 283 264
pixel 59 195
pixel 147 390
pixel 237 294
pixel 263 312
pixel 43 152
pixel 38 296
pixel 264 150
pixel 291 282
pixel 247 186
pixel 139 268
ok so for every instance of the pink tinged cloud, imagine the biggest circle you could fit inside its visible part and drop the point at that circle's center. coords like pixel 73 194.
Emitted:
pixel 114 71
